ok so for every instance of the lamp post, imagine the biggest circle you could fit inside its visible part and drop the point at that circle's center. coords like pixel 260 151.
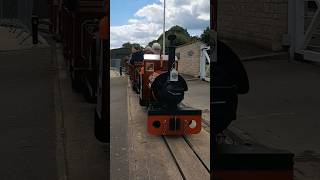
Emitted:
pixel 164 29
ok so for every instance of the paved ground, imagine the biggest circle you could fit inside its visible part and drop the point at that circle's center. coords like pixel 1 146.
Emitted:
pixel 28 126
pixel 119 165
pixel 46 128
pixel 198 96
pixel 84 157
pixel 281 110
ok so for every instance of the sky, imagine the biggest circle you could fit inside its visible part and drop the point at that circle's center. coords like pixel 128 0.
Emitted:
pixel 141 21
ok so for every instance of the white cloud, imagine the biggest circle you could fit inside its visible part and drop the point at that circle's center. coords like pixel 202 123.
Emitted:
pixel 146 25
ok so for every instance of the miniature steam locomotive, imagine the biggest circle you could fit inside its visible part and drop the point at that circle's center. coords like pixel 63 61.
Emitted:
pixel 161 89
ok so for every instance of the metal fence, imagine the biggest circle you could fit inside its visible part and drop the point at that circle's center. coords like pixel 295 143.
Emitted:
pixel 16 13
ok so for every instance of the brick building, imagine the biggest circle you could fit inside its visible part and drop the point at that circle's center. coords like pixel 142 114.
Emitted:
pixel 260 22
pixel 189 58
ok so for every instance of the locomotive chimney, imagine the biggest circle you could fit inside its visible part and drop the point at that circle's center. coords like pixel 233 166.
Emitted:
pixel 172 51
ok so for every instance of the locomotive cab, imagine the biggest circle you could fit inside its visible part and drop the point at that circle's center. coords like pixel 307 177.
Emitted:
pixel 153 65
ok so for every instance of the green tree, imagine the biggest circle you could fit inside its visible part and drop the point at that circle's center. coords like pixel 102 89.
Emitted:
pixel 129 45
pixel 151 43
pixel 207 36
pixel 182 34
pixel 195 39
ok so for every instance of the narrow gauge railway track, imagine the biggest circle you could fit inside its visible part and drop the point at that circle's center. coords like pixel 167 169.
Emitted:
pixel 195 155
pixel 188 156
pixel 188 153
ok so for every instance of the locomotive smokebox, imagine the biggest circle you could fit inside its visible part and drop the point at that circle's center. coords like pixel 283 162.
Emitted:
pixel 166 92
pixel 169 93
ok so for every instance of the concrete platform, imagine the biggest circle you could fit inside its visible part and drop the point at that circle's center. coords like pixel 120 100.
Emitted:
pixel 27 126
pixel 281 110
pixel 119 166
pixel 80 156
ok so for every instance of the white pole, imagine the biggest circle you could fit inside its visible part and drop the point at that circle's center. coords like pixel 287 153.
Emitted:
pixel 164 28
pixel 202 62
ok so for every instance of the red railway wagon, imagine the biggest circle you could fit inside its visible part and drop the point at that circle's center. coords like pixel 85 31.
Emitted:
pixel 65 30
pixel 75 16
pixel 90 52
pixel 152 66
pixel 83 27
pixel 102 111
pixel 54 14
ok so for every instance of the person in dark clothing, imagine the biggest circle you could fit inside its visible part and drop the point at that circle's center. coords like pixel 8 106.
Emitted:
pixel 137 55
pixel 229 78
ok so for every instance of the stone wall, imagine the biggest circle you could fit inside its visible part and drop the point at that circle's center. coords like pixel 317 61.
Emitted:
pixel 189 62
pixel 259 22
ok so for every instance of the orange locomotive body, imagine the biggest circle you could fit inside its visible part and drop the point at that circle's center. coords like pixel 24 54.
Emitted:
pixel 162 92
pixel 165 118
pixel 102 110
pixel 76 23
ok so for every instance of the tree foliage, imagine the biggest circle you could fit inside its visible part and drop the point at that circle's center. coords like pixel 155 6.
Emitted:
pixel 207 36
pixel 151 43
pixel 129 45
pixel 182 34
pixel 183 37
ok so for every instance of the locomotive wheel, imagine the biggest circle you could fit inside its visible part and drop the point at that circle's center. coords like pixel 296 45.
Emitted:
pixel 100 131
